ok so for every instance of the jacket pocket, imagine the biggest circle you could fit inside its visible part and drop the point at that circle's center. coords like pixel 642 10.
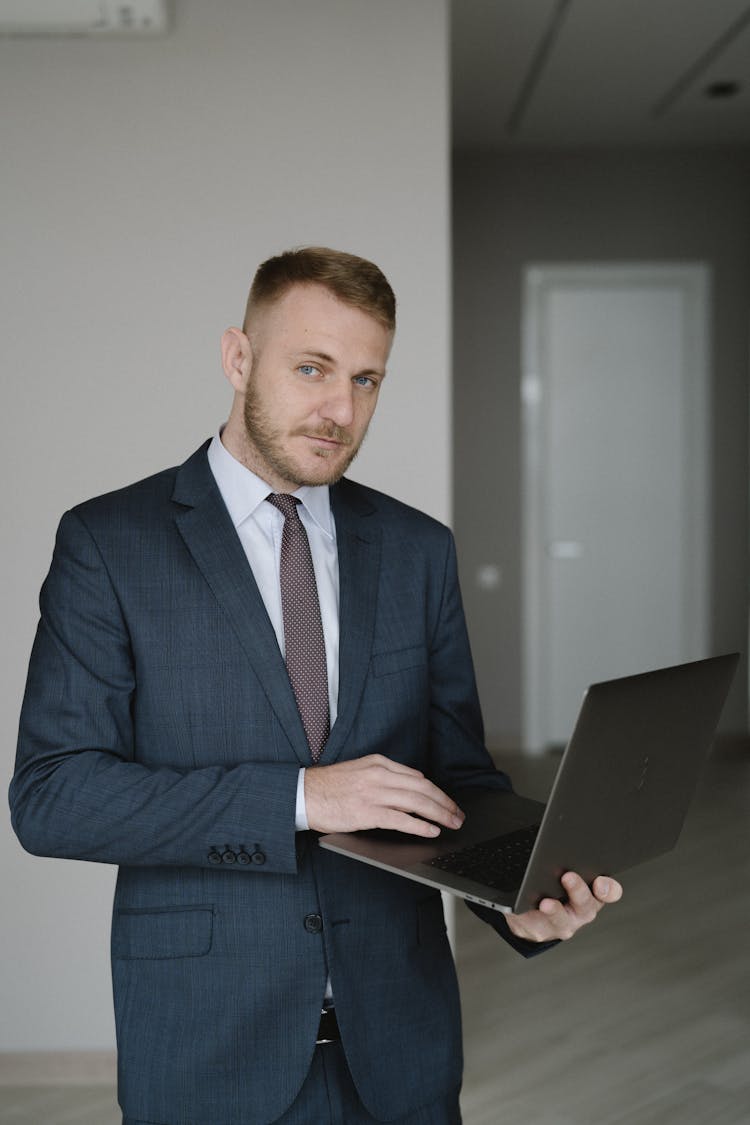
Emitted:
pixel 177 931
pixel 386 663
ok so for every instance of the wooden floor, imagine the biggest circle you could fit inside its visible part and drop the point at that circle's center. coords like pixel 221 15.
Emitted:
pixel 59 1105
pixel 642 1020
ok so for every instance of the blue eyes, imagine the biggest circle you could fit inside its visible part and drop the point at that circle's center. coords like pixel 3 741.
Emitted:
pixel 309 370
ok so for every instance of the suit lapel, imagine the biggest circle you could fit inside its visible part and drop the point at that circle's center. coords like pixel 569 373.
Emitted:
pixel 209 535
pixel 358 543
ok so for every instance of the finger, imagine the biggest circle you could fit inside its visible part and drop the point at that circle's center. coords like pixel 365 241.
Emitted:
pixel 403 822
pixel 386 763
pixel 577 889
pixel 603 890
pixel 552 909
pixel 390 772
pixel 424 805
pixel 427 799
pixel 420 789
pixel 607 890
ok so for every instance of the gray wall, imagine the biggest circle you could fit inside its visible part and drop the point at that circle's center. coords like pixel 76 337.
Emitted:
pixel 510 210
pixel 142 182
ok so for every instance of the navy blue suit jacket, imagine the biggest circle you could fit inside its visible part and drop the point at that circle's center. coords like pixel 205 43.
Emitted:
pixel 159 732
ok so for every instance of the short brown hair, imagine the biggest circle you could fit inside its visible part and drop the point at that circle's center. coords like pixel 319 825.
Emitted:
pixel 355 281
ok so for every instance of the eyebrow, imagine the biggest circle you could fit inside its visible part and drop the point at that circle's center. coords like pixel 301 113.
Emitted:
pixel 313 354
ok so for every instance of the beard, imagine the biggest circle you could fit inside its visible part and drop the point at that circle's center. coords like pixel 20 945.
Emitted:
pixel 268 441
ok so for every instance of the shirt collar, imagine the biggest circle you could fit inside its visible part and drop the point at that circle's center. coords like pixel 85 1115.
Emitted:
pixel 243 491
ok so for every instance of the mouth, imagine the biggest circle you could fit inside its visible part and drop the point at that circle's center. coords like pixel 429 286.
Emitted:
pixel 325 442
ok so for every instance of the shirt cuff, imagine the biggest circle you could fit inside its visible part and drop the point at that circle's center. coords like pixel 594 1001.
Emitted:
pixel 300 813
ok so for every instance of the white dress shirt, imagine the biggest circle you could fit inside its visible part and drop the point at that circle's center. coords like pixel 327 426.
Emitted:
pixel 259 526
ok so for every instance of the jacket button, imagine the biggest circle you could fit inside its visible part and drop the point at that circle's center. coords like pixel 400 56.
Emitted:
pixel 228 856
pixel 214 857
pixel 258 857
pixel 313 923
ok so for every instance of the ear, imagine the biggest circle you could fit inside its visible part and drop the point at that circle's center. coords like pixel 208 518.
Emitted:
pixel 236 358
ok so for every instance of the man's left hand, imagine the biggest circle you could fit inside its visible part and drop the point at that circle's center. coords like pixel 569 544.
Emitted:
pixel 555 920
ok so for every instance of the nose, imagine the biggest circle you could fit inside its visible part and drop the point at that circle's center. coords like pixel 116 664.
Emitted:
pixel 338 404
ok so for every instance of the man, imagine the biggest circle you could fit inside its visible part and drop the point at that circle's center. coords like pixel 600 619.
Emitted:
pixel 163 731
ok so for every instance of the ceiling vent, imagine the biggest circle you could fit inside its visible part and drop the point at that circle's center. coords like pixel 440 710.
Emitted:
pixel 83 17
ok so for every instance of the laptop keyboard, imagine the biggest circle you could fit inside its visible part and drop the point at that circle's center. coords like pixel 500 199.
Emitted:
pixel 499 863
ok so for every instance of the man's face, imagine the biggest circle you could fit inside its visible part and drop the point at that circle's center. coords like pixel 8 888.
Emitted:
pixel 316 371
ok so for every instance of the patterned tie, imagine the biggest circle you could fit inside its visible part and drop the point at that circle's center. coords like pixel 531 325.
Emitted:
pixel 303 628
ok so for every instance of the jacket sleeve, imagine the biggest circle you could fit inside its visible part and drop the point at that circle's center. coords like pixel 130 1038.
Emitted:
pixel 79 790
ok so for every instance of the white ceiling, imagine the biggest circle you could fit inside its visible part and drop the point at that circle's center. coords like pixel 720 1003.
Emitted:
pixel 599 73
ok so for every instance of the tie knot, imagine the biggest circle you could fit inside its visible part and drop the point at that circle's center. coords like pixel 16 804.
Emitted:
pixel 285 502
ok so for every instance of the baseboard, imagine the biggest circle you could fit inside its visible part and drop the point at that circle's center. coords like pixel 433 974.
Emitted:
pixel 58 1068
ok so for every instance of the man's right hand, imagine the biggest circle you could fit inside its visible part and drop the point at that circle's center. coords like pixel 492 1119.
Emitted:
pixel 375 792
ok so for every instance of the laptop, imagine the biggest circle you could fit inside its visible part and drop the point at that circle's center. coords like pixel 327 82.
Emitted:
pixel 621 794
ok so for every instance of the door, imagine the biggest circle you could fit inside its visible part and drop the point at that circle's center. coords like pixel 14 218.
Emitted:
pixel 615 479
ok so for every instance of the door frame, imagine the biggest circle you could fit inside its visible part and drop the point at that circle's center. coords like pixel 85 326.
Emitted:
pixel 694 278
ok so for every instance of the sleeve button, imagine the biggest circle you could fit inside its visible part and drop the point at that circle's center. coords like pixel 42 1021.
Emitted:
pixel 243 858
pixel 228 856
pixel 213 856
pixel 258 857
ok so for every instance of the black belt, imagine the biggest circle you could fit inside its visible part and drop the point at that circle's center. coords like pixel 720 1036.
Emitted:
pixel 328 1029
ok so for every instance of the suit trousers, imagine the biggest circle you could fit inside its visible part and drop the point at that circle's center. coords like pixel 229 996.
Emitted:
pixel 328 1097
